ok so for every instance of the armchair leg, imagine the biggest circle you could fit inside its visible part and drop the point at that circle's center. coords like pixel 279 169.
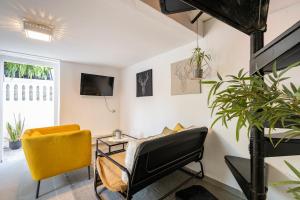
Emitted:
pixel 37 189
pixel 89 171
pixel 202 170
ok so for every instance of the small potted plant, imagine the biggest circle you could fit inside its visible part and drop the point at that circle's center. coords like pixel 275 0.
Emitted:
pixel 15 133
pixel 197 61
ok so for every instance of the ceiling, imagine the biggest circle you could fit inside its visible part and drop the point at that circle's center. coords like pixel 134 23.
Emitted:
pixel 115 33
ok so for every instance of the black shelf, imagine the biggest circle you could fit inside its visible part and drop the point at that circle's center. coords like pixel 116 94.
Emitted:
pixel 285 50
pixel 288 123
pixel 246 16
pixel 285 148
pixel 241 170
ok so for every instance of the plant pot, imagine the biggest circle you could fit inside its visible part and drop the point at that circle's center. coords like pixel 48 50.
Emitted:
pixel 198 73
pixel 13 145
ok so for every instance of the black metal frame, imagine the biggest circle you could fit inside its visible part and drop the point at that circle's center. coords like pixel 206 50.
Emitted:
pixel 39 183
pixel 197 17
pixel 180 6
pixel 246 16
pixel 285 50
pixel 256 148
pixel 158 171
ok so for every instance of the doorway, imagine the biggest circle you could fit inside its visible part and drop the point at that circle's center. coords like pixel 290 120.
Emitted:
pixel 29 97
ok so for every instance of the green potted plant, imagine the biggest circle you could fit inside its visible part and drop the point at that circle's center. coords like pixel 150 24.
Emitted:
pixel 254 100
pixel 198 60
pixel 15 133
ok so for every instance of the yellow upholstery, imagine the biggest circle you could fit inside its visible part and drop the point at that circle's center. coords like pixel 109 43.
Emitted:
pixel 178 127
pixel 168 131
pixel 110 174
pixel 54 150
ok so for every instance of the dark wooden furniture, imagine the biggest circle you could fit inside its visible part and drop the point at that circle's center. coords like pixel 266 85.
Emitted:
pixel 159 157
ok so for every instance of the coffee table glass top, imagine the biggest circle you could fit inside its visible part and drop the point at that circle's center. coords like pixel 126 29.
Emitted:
pixel 111 140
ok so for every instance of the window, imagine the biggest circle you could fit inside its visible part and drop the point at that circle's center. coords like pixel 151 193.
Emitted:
pixel 37 93
pixel 16 92
pixel 7 87
pixel 44 93
pixel 23 93
pixel 30 93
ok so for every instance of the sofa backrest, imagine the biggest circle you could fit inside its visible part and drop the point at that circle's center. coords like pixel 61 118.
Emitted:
pixel 159 157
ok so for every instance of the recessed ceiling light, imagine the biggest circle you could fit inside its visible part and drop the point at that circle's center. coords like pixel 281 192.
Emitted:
pixel 38 31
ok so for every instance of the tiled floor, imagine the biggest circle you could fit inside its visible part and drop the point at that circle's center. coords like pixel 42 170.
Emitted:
pixel 16 184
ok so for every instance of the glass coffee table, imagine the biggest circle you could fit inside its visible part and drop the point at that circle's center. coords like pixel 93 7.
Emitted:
pixel 112 143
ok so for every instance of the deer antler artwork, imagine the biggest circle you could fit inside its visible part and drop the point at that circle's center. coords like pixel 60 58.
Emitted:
pixel 143 82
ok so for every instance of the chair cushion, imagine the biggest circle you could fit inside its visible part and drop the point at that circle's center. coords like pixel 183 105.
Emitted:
pixel 110 174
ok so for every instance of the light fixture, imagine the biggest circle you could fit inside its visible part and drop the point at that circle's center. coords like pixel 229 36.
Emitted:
pixel 38 31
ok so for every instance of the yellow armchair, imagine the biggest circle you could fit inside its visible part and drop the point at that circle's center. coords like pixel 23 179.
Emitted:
pixel 55 150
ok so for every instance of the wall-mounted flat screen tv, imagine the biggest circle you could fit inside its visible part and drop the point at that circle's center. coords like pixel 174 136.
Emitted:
pixel 96 85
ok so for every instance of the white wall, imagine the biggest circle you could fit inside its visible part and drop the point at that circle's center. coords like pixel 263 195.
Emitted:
pixel 230 50
pixel 1 105
pixel 88 111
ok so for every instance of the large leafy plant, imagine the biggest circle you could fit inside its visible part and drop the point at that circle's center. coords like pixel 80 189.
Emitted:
pixel 15 70
pixel 255 100
pixel 15 131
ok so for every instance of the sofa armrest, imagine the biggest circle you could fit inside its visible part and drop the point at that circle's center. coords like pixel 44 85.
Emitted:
pixel 51 154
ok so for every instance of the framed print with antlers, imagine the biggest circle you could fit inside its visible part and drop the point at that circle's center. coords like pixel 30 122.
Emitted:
pixel 144 85
pixel 182 81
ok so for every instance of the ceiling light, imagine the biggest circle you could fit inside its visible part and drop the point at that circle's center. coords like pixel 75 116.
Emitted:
pixel 38 31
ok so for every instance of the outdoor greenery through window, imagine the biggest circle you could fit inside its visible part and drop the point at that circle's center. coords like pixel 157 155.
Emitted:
pixel 16 70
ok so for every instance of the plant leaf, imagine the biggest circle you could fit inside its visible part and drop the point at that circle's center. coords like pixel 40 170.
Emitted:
pixel 292 190
pixel 282 183
pixel 296 172
pixel 274 70
pixel 219 76
pixel 293 87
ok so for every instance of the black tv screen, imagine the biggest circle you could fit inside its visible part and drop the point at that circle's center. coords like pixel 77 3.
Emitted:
pixel 96 85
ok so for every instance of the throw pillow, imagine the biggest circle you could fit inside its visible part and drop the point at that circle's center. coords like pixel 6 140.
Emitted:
pixel 178 127
pixel 167 131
